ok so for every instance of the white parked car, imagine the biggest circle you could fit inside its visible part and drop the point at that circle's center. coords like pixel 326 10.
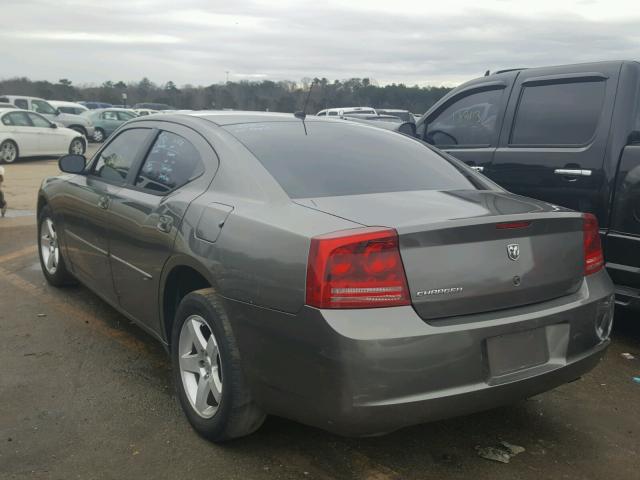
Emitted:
pixel 28 134
pixel 78 123
pixel 339 112
pixel 68 107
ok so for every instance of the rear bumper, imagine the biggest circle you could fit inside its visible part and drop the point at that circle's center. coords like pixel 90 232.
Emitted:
pixel 363 372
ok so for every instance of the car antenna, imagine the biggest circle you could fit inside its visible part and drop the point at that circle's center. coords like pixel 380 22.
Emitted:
pixel 302 113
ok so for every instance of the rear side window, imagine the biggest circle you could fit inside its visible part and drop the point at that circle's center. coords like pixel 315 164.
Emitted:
pixel 6 120
pixel 558 114
pixel 172 162
pixel 332 159
pixel 21 103
pixel 115 161
pixel 470 121
pixel 20 119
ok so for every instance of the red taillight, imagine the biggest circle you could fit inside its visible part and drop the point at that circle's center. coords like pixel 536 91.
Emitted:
pixel 359 268
pixel 593 257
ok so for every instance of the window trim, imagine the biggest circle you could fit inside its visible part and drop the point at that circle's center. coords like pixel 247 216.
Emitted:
pixel 467 92
pixel 557 80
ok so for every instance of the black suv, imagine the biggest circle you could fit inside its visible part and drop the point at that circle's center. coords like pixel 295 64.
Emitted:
pixel 569 135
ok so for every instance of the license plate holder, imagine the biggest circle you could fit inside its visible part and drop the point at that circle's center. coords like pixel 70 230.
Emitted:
pixel 513 352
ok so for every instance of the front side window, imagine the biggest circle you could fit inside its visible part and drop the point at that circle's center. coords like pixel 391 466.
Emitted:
pixel 115 161
pixel 172 162
pixel 38 121
pixel 40 106
pixel 558 114
pixel 333 114
pixel 331 159
pixel 110 116
pixel 20 119
pixel 470 121
pixel 21 103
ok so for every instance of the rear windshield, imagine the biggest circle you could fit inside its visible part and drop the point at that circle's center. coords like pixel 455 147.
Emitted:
pixel 334 159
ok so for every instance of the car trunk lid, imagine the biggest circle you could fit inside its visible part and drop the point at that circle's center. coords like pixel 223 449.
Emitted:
pixel 473 251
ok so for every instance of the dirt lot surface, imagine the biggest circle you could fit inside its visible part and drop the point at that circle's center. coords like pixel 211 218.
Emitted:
pixel 85 394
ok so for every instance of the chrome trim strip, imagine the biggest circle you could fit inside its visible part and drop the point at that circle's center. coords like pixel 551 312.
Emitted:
pixel 572 172
pixel 133 267
pixel 80 239
pixel 477 168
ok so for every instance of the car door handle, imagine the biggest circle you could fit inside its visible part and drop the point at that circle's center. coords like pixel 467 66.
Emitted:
pixel 572 172
pixel 103 202
pixel 477 168
pixel 165 222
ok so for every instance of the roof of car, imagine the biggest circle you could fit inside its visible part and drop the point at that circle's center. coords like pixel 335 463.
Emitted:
pixel 112 109
pixel 226 117
pixel 65 103
pixel 9 109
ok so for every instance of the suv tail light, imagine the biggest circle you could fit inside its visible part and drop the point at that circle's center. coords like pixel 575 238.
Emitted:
pixel 359 268
pixel 593 257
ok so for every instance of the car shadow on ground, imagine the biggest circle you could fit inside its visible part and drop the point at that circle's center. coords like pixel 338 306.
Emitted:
pixel 541 424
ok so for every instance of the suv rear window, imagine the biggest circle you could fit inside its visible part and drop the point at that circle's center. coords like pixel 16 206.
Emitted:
pixel 345 159
pixel 558 114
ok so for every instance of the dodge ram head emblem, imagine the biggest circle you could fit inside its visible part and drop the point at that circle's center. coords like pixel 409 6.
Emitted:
pixel 513 251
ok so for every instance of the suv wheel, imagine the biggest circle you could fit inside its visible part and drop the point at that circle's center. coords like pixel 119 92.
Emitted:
pixel 207 371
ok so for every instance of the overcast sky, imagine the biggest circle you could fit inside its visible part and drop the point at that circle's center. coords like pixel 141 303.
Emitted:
pixel 197 41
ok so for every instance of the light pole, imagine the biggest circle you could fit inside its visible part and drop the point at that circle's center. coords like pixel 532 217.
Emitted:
pixel 227 72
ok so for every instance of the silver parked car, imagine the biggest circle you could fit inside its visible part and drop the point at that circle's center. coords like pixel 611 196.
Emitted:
pixel 330 272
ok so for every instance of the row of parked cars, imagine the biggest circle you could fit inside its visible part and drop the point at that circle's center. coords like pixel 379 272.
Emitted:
pixel 31 126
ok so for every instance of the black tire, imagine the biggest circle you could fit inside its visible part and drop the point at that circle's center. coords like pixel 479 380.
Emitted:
pixel 61 276
pixel 74 141
pixel 79 129
pixel 3 146
pixel 98 135
pixel 237 415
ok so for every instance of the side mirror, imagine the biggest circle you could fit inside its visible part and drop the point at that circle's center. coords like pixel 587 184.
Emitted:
pixel 53 125
pixel 57 112
pixel 72 163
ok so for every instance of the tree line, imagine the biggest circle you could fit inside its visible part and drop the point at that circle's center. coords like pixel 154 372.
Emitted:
pixel 281 96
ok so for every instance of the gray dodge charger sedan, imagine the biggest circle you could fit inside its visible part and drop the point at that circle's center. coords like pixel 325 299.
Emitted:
pixel 333 273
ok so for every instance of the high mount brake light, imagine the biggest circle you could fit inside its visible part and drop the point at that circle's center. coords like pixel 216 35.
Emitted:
pixel 593 257
pixel 359 268
pixel 510 225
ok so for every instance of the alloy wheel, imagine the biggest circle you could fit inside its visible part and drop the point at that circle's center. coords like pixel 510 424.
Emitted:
pixel 98 135
pixel 200 366
pixel 49 246
pixel 8 152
